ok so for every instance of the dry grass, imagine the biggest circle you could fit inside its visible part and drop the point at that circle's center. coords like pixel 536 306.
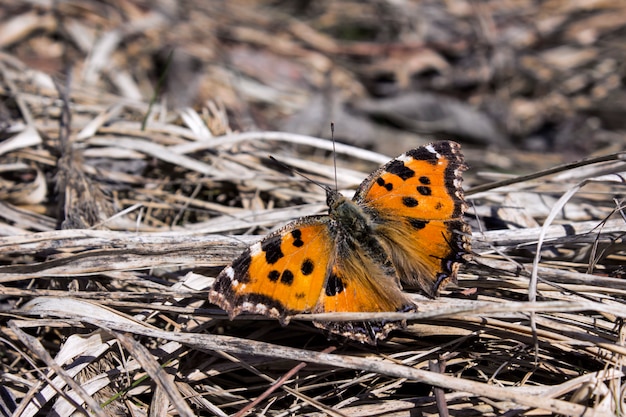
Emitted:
pixel 115 214
pixel 112 233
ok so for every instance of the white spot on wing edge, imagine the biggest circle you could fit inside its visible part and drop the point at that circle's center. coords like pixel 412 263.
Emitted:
pixel 274 312
pixel 255 249
pixel 458 181
pixel 432 150
pixel 229 272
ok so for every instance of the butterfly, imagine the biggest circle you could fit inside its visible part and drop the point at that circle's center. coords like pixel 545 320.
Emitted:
pixel 404 226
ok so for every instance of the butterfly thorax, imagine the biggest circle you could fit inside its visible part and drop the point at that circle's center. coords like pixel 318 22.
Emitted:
pixel 356 231
pixel 356 237
pixel 349 216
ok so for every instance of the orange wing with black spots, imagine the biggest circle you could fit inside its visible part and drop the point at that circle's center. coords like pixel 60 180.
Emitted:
pixel 417 204
pixel 310 265
pixel 282 275
pixel 358 283
pixel 404 225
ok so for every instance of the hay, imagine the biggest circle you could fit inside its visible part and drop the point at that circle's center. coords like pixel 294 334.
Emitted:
pixel 118 213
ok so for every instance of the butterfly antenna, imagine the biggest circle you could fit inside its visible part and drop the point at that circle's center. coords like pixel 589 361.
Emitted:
pixel 295 171
pixel 332 136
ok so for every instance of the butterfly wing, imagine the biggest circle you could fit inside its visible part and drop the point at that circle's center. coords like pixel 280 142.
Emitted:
pixel 406 221
pixel 357 283
pixel 416 202
pixel 281 275
pixel 311 266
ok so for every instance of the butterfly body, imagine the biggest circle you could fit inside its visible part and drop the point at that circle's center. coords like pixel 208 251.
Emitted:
pixel 403 226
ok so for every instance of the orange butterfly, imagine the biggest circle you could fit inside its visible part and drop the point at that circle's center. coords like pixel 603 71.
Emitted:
pixel 404 225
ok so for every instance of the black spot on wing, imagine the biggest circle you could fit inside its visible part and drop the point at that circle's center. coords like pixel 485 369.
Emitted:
pixel 297 238
pixel 273 275
pixel 287 277
pixel 398 168
pixel 425 180
pixel 271 247
pixel 417 223
pixel 409 202
pixel 334 286
pixel 423 154
pixel 307 267
pixel 424 190
pixel 388 186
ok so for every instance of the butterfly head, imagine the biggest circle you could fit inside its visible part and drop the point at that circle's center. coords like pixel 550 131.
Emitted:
pixel 333 198
pixel 349 216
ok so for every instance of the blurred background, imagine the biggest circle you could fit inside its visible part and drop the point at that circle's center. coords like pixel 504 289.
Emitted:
pixel 521 77
pixel 116 120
